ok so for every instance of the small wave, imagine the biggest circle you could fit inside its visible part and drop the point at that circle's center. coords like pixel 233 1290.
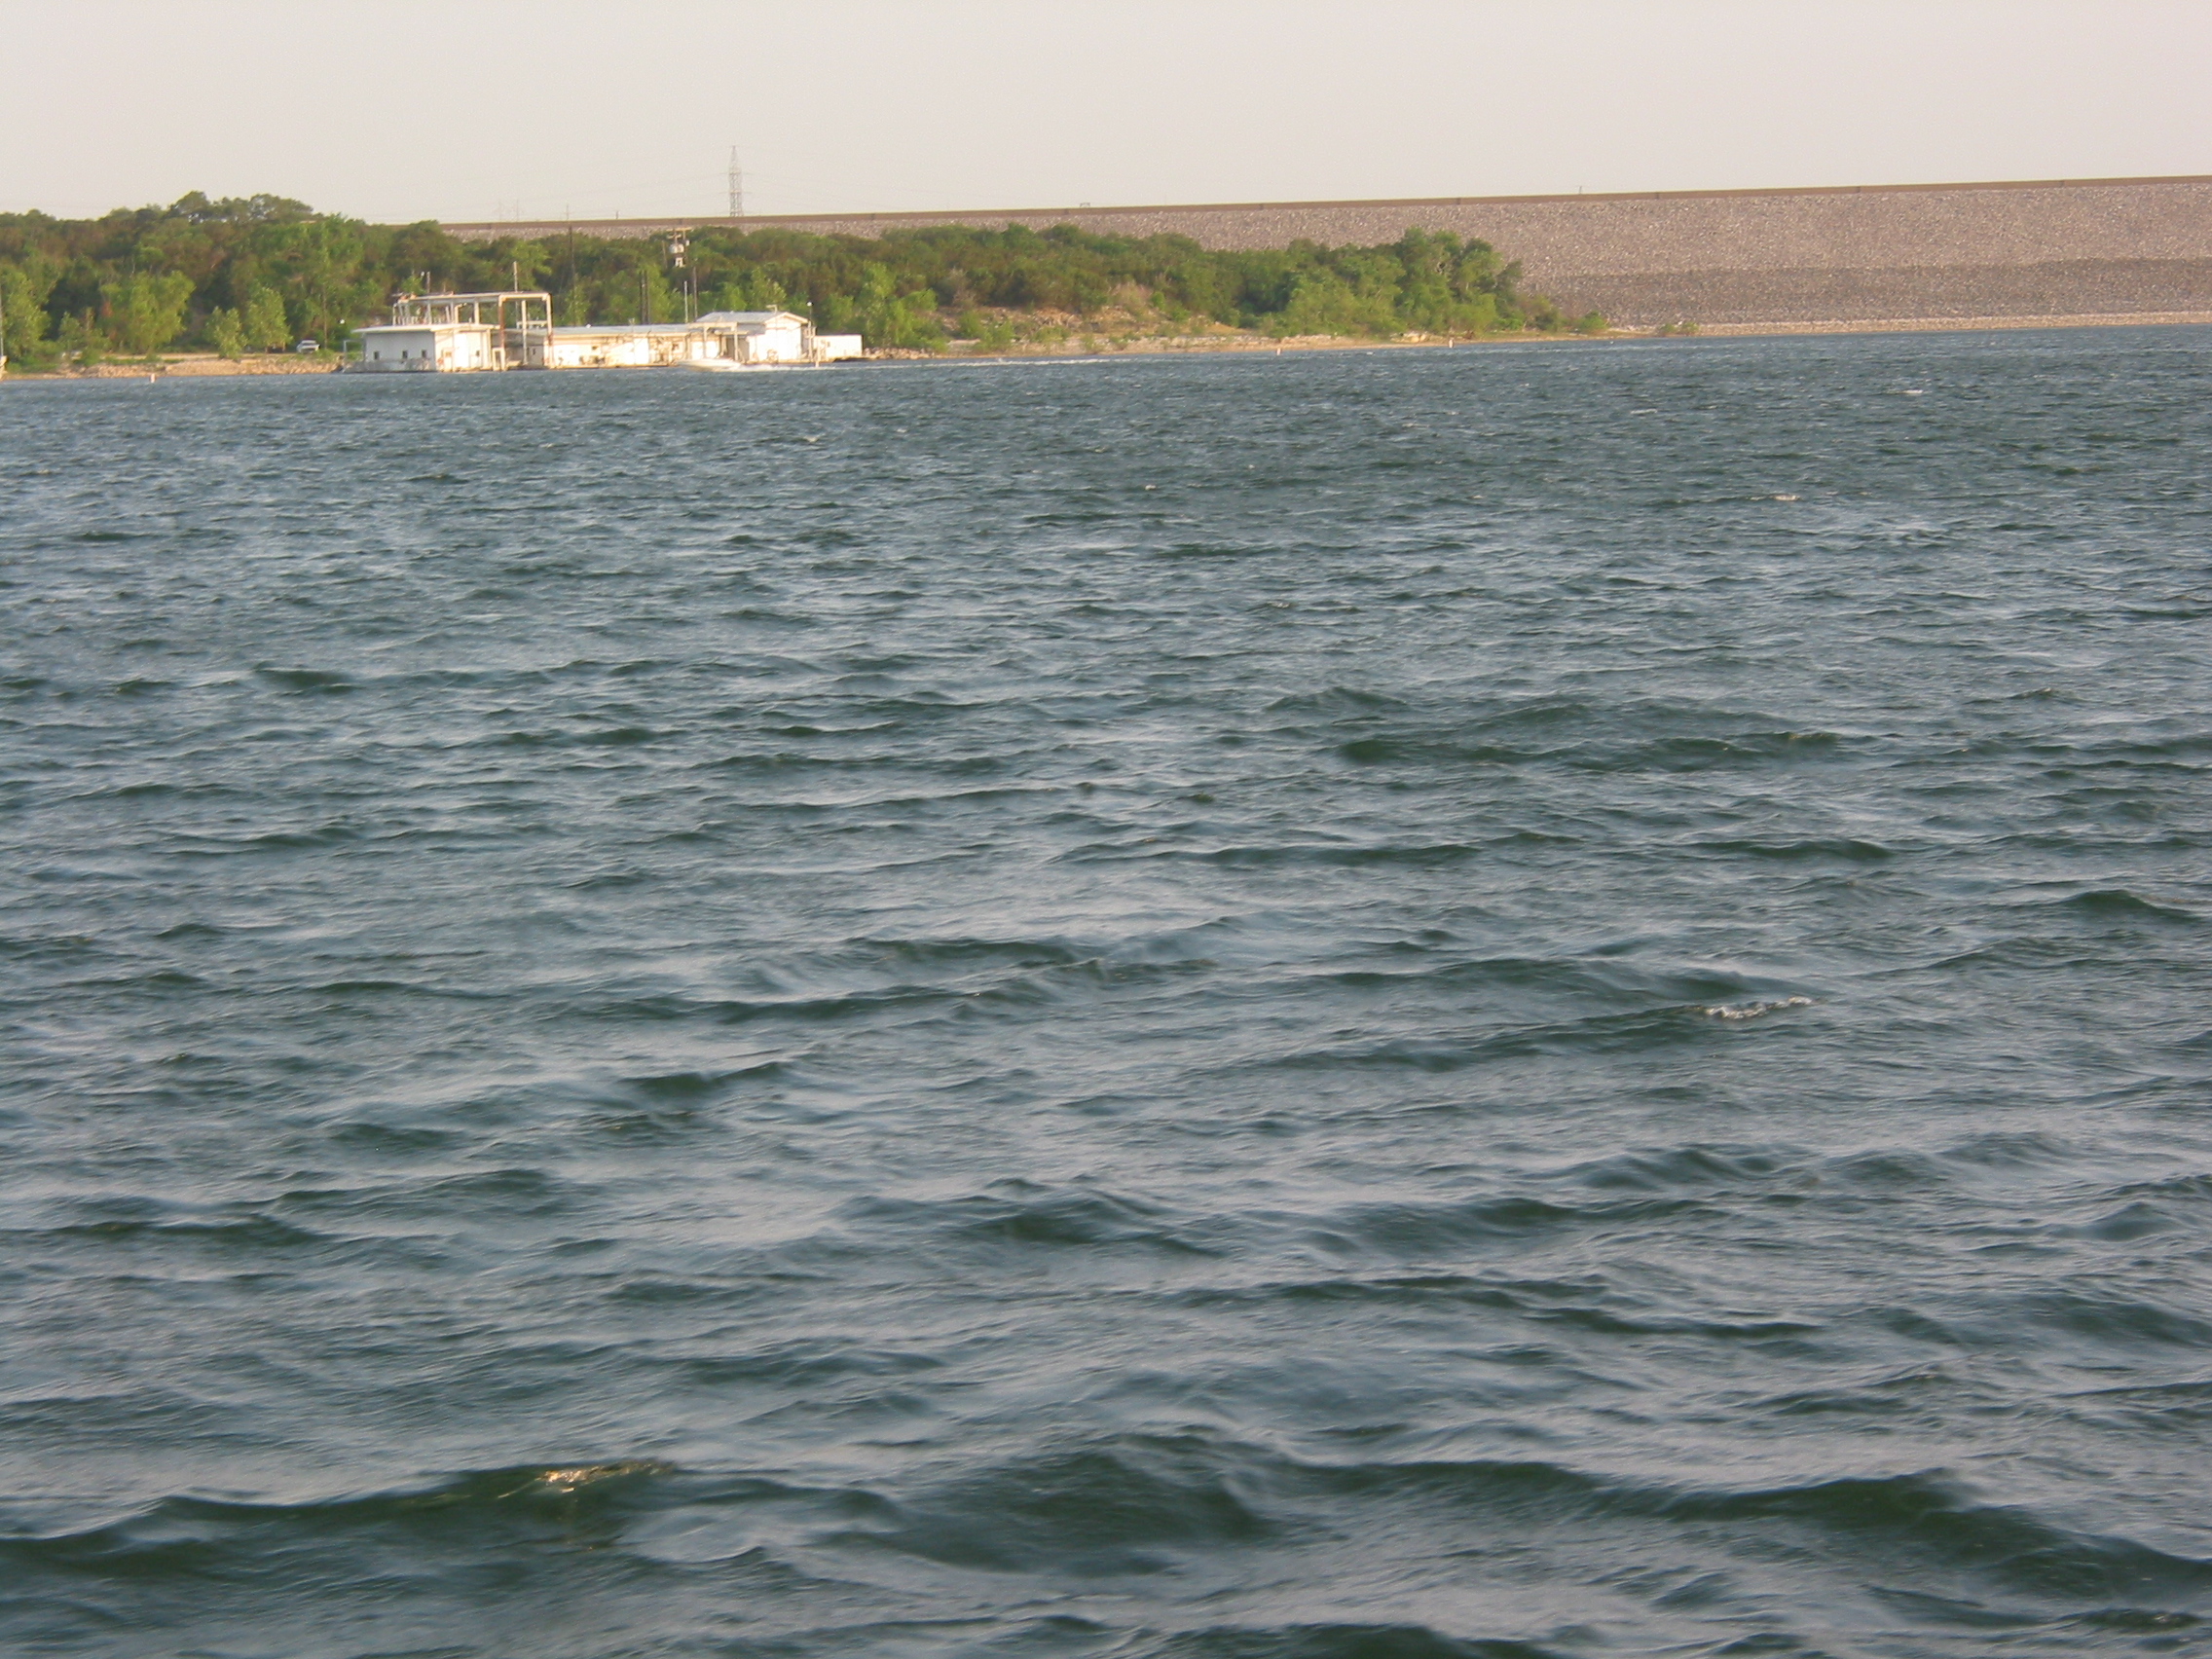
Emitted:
pixel 619 737
pixel 1926 1517
pixel 244 1236
pixel 2130 1222
pixel 1411 1231
pixel 1697 754
pixel 1887 1170
pixel 735 1011
pixel 813 1365
pixel 1345 1642
pixel 392 1140
pixel 2139 1621
pixel 2003 1150
pixel 1843 847
pixel 1660 1169
pixel 2119 902
pixel 1337 700
pixel 309 679
pixel 965 951
pixel 2112 1323
pixel 1645 1030
pixel 688 1088
pixel 178 1537
pixel 1373 750
pixel 1111 1506
pixel 1417 855
pixel 1025 1214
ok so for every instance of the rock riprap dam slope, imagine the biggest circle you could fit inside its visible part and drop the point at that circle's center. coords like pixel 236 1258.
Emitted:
pixel 2076 249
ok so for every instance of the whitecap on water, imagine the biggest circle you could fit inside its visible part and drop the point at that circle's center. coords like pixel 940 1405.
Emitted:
pixel 567 1480
pixel 1752 1010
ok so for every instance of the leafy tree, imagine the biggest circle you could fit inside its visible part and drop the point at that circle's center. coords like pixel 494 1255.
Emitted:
pixel 1206 286
pixel 755 290
pixel 889 317
pixel 22 298
pixel 81 338
pixel 264 321
pixel 1323 302
pixel 641 294
pixel 147 313
pixel 76 292
pixel 318 262
pixel 252 209
pixel 518 264
pixel 226 332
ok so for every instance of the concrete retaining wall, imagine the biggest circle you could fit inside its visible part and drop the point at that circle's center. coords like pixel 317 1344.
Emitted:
pixel 2051 248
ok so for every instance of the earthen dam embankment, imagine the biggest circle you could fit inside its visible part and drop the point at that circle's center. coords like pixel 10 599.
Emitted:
pixel 2078 251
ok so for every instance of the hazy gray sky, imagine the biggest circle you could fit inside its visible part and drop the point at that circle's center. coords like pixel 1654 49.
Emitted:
pixel 404 110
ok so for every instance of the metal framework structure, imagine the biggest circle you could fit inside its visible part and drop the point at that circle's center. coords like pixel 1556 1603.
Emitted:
pixel 521 321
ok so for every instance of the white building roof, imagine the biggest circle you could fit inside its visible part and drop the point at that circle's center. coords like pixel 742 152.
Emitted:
pixel 570 330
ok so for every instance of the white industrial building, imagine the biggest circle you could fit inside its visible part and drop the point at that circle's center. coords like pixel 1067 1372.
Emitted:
pixel 774 337
pixel 620 346
pixel 462 333
pixel 458 333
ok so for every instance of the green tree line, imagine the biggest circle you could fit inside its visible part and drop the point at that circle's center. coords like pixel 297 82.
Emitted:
pixel 258 273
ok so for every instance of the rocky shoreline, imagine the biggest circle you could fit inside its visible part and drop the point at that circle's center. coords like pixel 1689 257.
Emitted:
pixel 189 365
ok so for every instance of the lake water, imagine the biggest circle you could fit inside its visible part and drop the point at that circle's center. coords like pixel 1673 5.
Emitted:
pixel 1481 1004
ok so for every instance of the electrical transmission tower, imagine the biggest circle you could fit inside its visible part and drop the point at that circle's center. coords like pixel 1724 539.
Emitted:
pixel 736 186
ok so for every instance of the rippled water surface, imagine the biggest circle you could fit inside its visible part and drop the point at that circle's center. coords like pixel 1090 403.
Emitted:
pixel 1512 1002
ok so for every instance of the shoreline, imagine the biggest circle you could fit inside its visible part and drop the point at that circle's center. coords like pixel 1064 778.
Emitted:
pixel 1958 325
pixel 1201 344
pixel 197 366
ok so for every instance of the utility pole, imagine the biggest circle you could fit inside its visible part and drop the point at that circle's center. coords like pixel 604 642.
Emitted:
pixel 736 186
pixel 678 246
